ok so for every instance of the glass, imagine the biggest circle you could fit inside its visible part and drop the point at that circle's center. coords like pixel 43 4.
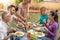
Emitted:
pixel 33 36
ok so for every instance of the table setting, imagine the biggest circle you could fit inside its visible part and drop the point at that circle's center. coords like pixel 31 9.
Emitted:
pixel 32 32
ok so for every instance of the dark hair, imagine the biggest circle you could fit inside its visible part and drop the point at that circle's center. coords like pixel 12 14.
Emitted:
pixel 11 6
pixel 4 14
pixel 16 8
pixel 56 10
pixel 54 13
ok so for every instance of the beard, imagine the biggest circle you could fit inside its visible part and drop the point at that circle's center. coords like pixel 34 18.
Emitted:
pixel 12 13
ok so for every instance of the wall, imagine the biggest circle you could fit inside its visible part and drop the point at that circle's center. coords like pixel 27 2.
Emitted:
pixel 49 5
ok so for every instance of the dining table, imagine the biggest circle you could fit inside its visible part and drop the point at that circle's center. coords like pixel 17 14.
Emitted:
pixel 24 37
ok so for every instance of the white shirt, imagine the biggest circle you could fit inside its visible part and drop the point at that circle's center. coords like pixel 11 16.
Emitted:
pixel 12 18
pixel 3 29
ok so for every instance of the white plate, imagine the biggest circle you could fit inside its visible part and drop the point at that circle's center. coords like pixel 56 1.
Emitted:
pixel 21 33
pixel 40 35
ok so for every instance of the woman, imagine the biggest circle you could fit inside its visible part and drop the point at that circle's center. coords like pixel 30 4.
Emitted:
pixel 52 27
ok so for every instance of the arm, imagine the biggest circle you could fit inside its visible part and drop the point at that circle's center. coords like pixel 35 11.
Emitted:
pixel 18 19
pixel 37 21
pixel 54 30
pixel 7 37
pixel 28 13
pixel 19 14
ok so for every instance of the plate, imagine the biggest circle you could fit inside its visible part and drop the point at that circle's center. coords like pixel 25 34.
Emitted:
pixel 18 33
pixel 39 34
pixel 37 28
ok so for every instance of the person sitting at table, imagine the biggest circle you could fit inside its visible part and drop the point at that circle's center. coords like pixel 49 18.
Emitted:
pixel 11 9
pixel 43 15
pixel 51 27
pixel 4 26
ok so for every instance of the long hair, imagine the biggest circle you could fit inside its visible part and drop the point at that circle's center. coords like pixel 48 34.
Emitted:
pixel 54 13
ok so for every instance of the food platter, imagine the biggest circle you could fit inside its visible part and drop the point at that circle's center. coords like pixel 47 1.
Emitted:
pixel 18 33
pixel 39 34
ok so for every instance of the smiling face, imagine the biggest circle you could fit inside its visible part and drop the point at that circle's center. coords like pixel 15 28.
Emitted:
pixel 51 17
pixel 43 10
pixel 7 17
pixel 12 10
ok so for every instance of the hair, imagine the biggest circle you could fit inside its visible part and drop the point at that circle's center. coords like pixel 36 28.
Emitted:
pixel 11 6
pixel 4 14
pixel 56 10
pixel 54 13
pixel 42 9
pixel 16 8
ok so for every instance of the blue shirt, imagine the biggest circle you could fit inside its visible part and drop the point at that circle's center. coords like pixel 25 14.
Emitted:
pixel 42 17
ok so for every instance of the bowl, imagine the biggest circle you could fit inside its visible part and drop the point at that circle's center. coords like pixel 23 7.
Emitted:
pixel 19 34
pixel 40 34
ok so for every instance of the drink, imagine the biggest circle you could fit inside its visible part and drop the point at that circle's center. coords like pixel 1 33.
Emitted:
pixel 28 35
pixel 29 24
pixel 33 36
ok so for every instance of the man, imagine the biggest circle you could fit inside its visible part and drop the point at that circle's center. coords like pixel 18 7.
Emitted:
pixel 4 26
pixel 23 10
pixel 12 10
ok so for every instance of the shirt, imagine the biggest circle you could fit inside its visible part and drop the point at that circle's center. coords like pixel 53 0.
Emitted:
pixel 52 30
pixel 23 10
pixel 12 18
pixel 3 29
pixel 42 18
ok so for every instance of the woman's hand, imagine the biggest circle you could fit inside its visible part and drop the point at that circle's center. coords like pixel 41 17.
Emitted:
pixel 48 21
pixel 46 30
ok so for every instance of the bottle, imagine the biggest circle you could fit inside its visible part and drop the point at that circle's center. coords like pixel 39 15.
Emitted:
pixel 28 35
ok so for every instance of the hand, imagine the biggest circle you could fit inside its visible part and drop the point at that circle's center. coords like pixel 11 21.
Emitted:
pixel 12 34
pixel 44 20
pixel 29 17
pixel 7 37
pixel 15 29
pixel 24 24
pixel 48 21
pixel 24 19
pixel 46 30
pixel 37 21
